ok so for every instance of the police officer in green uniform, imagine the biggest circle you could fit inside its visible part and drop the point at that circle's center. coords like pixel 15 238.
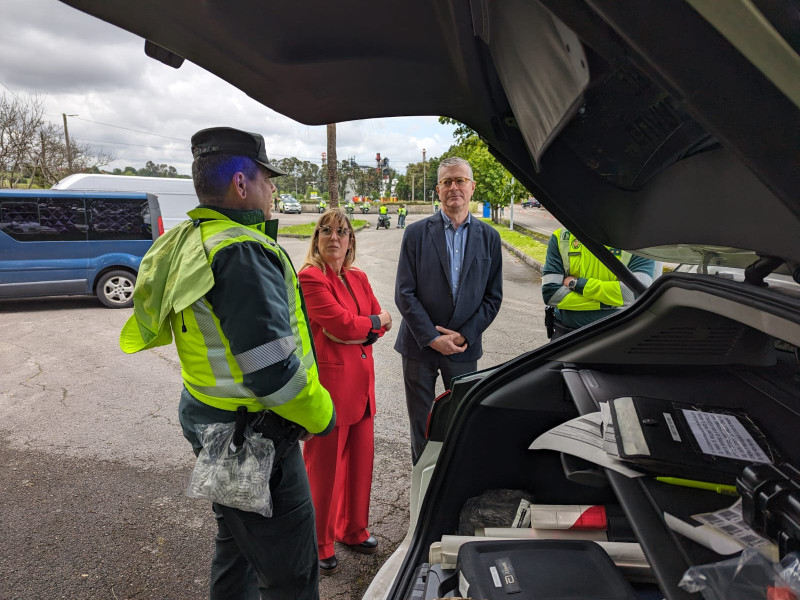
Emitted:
pixel 578 289
pixel 402 211
pixel 228 293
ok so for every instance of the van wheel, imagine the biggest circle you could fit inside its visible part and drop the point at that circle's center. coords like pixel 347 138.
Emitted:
pixel 115 289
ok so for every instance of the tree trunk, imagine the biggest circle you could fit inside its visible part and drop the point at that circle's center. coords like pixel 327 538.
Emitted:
pixel 333 164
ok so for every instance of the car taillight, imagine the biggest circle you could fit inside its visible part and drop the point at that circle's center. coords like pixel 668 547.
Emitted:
pixel 430 414
pixel 160 226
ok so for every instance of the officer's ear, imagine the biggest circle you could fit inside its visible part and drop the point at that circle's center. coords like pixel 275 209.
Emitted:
pixel 239 184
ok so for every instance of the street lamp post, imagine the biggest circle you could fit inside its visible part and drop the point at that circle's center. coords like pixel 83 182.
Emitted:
pixel 423 174
pixel 66 139
pixel 511 220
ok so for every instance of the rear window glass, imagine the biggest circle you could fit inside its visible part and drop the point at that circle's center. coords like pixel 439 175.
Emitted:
pixel 119 219
pixel 43 219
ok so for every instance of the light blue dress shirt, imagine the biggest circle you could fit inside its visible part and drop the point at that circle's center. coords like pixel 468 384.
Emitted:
pixel 456 242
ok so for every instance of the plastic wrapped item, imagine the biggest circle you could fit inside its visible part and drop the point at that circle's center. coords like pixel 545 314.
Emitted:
pixel 233 476
pixel 749 576
pixel 493 508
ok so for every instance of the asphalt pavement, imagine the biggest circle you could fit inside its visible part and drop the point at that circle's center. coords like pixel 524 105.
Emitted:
pixel 95 468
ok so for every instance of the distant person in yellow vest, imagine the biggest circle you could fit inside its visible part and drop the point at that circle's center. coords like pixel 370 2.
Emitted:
pixel 228 294
pixel 401 216
pixel 578 289
pixel 436 205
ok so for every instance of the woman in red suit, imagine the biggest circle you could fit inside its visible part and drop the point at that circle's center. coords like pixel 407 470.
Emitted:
pixel 345 320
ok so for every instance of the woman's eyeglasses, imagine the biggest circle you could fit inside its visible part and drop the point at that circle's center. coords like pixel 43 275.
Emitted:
pixel 459 181
pixel 326 230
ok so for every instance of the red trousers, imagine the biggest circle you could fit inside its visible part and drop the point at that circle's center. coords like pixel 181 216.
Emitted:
pixel 339 469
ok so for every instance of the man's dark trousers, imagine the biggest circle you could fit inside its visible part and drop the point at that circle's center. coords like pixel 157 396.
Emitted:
pixel 420 382
pixel 257 557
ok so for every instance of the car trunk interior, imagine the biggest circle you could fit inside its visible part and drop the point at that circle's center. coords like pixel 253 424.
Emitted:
pixel 674 345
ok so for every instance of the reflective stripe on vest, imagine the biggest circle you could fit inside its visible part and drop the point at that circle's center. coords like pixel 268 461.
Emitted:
pixel 212 373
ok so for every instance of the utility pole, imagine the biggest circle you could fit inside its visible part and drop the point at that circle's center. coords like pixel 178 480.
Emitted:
pixel 66 138
pixel 324 167
pixel 412 187
pixel 511 220
pixel 423 177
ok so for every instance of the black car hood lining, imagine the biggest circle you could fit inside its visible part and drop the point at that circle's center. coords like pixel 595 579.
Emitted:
pixel 636 124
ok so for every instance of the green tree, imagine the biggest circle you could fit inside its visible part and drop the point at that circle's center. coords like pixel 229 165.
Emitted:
pixel 289 183
pixel 403 189
pixel 151 169
pixel 494 183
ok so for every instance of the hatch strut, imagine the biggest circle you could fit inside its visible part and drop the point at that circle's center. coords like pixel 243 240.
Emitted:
pixel 764 266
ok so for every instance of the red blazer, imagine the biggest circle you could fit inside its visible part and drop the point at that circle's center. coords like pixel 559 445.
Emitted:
pixel 347 371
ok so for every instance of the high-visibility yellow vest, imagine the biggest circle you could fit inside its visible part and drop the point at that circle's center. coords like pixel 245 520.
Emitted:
pixel 211 372
pixel 580 263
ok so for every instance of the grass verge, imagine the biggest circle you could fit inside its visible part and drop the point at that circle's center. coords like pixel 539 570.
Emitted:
pixel 307 229
pixel 522 242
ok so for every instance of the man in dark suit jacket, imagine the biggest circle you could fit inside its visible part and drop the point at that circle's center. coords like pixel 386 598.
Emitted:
pixel 448 290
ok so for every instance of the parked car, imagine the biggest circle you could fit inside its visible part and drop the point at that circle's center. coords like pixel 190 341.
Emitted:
pixel 289 204
pixel 55 243
pixel 668 129
pixel 531 203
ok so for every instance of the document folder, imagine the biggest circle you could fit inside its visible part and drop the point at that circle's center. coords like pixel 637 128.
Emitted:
pixel 667 438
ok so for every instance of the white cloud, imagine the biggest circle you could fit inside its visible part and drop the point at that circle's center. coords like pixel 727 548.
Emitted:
pixel 94 70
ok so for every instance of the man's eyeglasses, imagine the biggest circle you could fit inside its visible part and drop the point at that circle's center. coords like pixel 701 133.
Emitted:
pixel 326 230
pixel 459 181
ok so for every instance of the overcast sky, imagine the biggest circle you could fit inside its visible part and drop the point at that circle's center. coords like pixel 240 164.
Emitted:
pixel 139 109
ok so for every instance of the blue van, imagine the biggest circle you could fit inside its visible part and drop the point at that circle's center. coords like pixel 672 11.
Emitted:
pixel 55 243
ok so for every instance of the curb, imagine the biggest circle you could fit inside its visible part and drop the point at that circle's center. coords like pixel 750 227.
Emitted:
pixel 531 262
pixel 537 235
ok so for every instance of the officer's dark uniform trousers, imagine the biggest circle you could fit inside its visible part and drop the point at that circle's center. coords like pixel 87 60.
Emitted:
pixel 284 569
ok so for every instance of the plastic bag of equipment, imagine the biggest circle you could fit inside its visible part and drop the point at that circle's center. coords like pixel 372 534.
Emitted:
pixel 750 576
pixel 231 474
pixel 493 508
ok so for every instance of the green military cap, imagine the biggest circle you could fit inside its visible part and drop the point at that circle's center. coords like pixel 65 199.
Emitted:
pixel 226 140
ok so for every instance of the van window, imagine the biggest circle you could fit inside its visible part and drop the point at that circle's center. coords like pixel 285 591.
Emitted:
pixel 44 219
pixel 119 219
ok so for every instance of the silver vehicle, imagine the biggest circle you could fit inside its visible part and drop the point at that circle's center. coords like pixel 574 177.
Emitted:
pixel 289 204
pixel 669 129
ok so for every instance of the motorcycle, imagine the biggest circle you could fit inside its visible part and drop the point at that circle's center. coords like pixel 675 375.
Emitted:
pixel 365 208
pixel 384 221
pixel 322 209
pixel 349 208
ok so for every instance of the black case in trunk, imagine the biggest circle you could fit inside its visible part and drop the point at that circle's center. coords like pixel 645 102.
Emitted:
pixel 540 570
